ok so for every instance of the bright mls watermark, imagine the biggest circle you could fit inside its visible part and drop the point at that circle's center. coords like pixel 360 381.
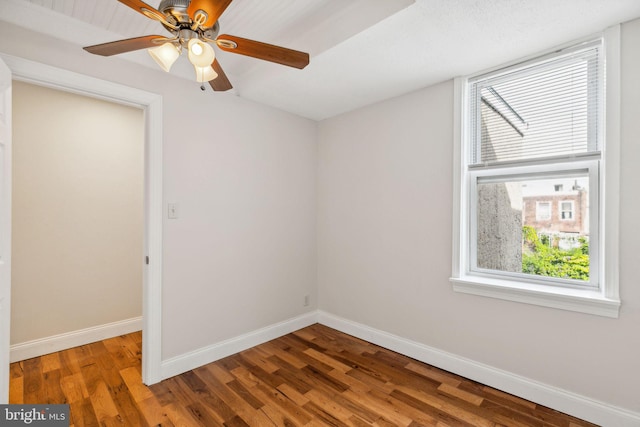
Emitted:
pixel 35 415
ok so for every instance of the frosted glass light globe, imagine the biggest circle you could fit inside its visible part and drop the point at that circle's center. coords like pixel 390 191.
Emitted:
pixel 201 54
pixel 165 55
pixel 205 74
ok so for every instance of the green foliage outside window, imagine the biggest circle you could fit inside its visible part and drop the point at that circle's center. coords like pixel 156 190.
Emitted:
pixel 543 258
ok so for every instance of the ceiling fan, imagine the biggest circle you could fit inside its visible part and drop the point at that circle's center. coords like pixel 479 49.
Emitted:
pixel 194 27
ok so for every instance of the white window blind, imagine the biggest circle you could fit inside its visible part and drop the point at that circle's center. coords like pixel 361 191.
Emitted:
pixel 545 110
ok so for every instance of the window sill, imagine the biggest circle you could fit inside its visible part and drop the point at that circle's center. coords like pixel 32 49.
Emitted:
pixel 582 301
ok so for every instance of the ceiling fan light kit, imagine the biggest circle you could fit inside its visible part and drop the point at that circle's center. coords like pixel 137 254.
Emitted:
pixel 205 74
pixel 194 26
pixel 200 54
pixel 165 55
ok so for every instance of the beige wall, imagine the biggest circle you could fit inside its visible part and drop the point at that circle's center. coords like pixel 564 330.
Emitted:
pixel 385 190
pixel 77 212
pixel 242 255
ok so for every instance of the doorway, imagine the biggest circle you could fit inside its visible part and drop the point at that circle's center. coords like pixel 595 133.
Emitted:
pixel 77 220
pixel 44 75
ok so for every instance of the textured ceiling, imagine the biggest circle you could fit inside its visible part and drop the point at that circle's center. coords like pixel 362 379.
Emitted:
pixel 362 51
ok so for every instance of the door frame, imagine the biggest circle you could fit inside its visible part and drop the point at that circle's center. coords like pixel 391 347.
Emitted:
pixel 151 103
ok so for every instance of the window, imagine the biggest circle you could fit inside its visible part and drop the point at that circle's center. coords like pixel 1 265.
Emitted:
pixel 533 134
pixel 566 210
pixel 543 211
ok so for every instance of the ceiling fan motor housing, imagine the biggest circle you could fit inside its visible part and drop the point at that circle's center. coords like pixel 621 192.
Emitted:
pixel 176 13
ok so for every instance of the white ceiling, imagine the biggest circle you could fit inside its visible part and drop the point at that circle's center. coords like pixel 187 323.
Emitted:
pixel 362 51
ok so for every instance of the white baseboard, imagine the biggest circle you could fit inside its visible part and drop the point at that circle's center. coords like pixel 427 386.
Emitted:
pixel 562 400
pixel 188 361
pixel 42 346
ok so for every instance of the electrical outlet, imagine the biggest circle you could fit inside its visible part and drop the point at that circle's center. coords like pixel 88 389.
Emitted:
pixel 306 300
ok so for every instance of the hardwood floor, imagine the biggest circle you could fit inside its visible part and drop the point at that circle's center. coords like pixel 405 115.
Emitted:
pixel 313 377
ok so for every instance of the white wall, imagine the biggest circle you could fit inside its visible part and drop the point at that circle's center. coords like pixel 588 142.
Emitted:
pixel 384 249
pixel 242 255
pixel 77 213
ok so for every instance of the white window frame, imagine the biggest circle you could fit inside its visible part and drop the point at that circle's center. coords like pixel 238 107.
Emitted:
pixel 555 170
pixel 561 210
pixel 602 299
pixel 538 216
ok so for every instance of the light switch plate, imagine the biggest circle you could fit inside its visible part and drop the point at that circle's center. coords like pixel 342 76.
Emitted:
pixel 172 210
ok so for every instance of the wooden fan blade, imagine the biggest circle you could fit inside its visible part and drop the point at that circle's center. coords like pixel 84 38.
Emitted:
pixel 267 52
pixel 127 45
pixel 220 83
pixel 213 8
pixel 145 9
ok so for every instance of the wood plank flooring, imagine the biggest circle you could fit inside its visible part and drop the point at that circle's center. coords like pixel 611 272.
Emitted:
pixel 313 377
